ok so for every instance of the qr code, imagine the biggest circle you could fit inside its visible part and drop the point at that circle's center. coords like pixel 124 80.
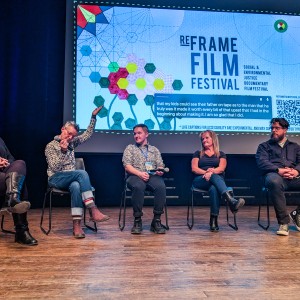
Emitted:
pixel 290 110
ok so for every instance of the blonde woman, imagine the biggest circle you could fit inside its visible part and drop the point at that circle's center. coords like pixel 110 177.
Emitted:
pixel 209 164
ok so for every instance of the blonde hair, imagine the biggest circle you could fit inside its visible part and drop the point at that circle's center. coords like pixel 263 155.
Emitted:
pixel 215 142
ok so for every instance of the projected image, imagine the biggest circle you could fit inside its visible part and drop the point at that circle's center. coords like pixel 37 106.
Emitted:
pixel 184 70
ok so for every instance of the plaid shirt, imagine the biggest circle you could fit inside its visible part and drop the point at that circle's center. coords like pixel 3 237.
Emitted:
pixel 137 156
pixel 59 161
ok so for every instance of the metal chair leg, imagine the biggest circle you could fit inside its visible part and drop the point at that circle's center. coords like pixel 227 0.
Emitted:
pixel 94 229
pixel 46 231
pixel 2 226
pixel 122 210
pixel 235 227
pixel 268 213
pixel 190 207
pixel 166 218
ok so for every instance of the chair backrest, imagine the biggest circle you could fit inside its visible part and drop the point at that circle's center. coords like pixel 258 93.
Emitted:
pixel 79 163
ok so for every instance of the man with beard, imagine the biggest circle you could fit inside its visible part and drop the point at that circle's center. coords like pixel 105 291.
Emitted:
pixel 279 161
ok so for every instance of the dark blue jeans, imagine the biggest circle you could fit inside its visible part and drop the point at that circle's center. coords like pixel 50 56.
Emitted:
pixel 276 186
pixel 78 183
pixel 216 187
pixel 155 184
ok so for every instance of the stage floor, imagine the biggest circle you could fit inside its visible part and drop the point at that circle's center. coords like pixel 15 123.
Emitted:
pixel 250 263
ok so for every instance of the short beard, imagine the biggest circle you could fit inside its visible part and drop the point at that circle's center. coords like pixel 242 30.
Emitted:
pixel 277 139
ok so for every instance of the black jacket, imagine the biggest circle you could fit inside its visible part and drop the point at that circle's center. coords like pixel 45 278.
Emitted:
pixel 270 156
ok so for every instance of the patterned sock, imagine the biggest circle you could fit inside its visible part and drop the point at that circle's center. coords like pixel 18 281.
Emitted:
pixel 76 217
pixel 89 202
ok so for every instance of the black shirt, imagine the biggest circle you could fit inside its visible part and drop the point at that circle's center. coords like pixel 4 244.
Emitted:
pixel 205 162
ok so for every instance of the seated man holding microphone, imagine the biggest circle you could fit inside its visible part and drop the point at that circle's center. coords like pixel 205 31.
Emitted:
pixel 144 167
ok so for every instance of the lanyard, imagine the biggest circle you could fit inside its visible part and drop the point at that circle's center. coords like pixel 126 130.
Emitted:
pixel 145 153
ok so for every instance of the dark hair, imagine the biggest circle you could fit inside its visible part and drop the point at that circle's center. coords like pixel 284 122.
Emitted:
pixel 143 126
pixel 282 122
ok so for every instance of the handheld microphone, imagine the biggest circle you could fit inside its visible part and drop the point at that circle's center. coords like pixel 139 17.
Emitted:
pixel 164 170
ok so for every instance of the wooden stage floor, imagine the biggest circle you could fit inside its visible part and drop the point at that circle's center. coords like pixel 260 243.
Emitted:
pixel 246 264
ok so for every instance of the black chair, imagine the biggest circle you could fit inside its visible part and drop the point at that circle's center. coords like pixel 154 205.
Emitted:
pixel 265 195
pixel 204 193
pixel 4 213
pixel 126 194
pixel 2 226
pixel 51 191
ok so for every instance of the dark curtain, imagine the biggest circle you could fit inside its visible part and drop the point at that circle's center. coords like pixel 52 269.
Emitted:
pixel 32 46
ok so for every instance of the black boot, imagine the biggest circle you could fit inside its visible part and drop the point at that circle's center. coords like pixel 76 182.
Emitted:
pixel 14 183
pixel 234 204
pixel 156 227
pixel 23 235
pixel 137 226
pixel 213 223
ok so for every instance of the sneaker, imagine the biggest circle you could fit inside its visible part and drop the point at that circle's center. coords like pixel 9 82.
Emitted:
pixel 137 227
pixel 283 229
pixel 156 227
pixel 295 217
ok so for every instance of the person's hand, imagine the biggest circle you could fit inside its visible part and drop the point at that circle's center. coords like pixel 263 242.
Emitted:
pixel 288 173
pixel 96 110
pixel 64 145
pixel 296 173
pixel 207 175
pixel 144 176
pixel 159 173
pixel 4 162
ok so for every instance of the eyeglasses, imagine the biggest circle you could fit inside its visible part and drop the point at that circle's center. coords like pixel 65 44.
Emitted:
pixel 70 133
pixel 276 128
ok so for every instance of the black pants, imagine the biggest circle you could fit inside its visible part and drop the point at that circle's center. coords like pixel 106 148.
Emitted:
pixel 18 166
pixel 155 184
pixel 276 185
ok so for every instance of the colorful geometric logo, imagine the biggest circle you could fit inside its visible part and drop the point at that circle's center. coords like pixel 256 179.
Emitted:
pixel 88 16
pixel 280 26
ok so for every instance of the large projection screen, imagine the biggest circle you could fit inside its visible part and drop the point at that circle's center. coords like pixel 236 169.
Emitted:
pixel 180 72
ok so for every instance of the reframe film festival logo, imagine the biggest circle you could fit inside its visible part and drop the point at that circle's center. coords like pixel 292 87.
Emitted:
pixel 281 26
